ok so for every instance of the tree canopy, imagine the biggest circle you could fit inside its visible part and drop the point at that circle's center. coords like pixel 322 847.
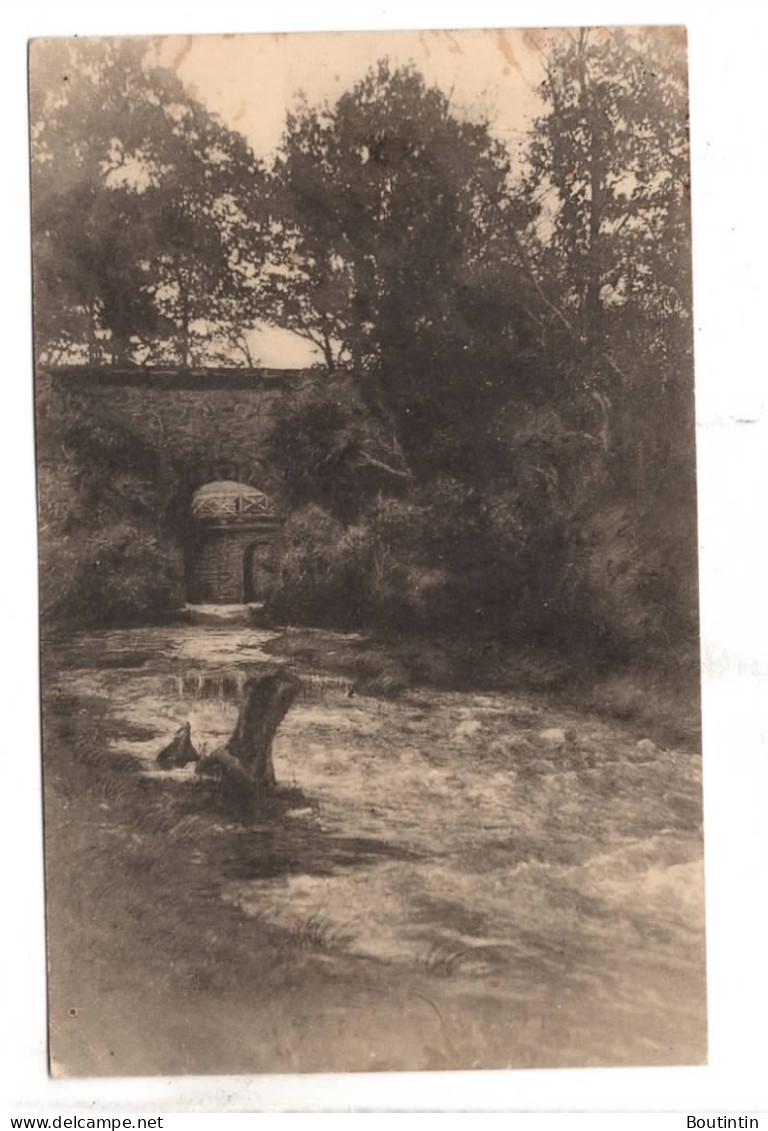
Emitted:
pixel 392 212
pixel 519 335
pixel 609 163
pixel 143 245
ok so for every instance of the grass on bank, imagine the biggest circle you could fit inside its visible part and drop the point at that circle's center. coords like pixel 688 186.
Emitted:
pixel 134 868
pixel 662 700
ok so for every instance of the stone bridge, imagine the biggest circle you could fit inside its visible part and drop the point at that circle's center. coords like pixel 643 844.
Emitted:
pixel 206 430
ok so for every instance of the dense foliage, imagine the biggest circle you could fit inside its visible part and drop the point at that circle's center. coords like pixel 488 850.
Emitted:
pixel 521 341
pixel 143 247
pixel 105 552
pixel 499 436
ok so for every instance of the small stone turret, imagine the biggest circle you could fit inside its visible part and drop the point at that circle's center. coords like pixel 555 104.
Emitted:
pixel 235 530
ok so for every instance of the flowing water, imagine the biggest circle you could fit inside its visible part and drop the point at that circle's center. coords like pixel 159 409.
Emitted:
pixel 514 851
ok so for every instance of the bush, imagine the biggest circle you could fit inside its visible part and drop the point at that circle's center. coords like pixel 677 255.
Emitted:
pixel 116 574
pixel 319 574
pixel 618 594
pixel 354 575
pixel 324 445
pixel 103 556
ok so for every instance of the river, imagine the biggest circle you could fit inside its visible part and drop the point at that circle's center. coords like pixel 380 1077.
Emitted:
pixel 512 850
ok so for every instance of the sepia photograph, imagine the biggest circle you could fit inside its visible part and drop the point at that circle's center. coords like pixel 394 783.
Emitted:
pixel 368 581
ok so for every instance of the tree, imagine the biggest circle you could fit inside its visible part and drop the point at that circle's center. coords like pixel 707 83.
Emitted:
pixel 142 244
pixel 438 447
pixel 609 160
pixel 610 256
pixel 520 343
pixel 389 214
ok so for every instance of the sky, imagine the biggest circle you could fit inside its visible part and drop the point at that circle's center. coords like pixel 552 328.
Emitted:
pixel 250 81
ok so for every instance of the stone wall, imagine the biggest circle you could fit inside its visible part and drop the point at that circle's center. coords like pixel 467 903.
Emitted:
pixel 182 431
pixel 222 569
pixel 205 429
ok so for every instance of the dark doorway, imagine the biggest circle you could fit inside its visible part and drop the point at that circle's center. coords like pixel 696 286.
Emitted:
pixel 258 567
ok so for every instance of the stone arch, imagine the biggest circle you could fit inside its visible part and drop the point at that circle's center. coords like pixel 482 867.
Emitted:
pixel 252 473
pixel 234 527
pixel 258 568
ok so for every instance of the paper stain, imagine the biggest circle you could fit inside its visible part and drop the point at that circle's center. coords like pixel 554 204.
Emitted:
pixel 183 51
pixel 451 38
pixel 505 47
pixel 454 46
pixel 676 36
pixel 534 39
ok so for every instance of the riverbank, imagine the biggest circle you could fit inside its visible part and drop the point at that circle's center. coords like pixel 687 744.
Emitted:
pixel 663 700
pixel 445 878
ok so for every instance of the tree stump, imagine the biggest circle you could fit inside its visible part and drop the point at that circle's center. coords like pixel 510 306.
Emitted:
pixel 246 758
pixel 179 750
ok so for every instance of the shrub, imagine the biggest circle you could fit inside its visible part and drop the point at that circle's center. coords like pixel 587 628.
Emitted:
pixel 115 574
pixel 324 445
pixel 320 576
pixel 103 556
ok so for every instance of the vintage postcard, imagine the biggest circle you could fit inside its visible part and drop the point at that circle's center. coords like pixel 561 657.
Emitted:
pixel 368 579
